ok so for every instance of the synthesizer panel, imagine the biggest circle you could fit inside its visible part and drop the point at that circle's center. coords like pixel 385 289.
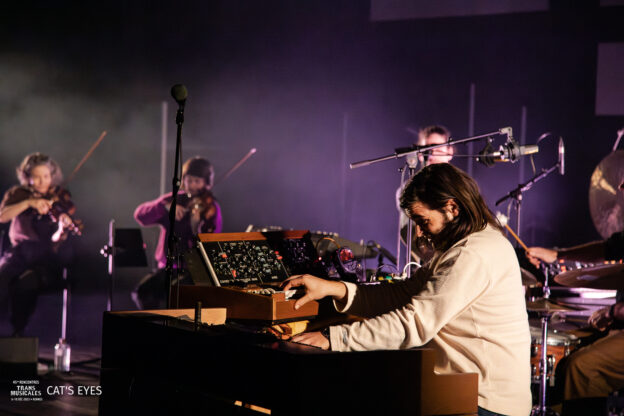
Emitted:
pixel 258 258
pixel 242 272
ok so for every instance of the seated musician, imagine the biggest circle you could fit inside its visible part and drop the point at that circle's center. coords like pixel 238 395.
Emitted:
pixel 38 235
pixel 197 212
pixel 466 303
pixel 597 369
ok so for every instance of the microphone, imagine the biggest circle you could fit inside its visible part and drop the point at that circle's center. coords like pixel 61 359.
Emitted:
pixel 508 152
pixel 511 151
pixel 179 93
pixel 561 157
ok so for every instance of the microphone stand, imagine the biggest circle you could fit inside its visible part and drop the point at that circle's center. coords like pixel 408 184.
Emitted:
pixel 516 194
pixel 173 254
pixel 404 151
pixel 411 166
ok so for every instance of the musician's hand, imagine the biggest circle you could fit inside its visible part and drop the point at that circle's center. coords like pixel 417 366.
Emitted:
pixel 41 205
pixel 533 260
pixel 316 339
pixel 180 212
pixel 316 288
pixel 195 214
pixel 64 222
pixel 544 254
pixel 601 319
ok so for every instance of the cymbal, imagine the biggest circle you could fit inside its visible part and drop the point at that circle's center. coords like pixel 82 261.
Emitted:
pixel 606 276
pixel 606 194
pixel 545 306
pixel 531 275
pixel 528 278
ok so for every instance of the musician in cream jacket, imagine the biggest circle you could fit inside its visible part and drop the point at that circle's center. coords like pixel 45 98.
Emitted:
pixel 466 302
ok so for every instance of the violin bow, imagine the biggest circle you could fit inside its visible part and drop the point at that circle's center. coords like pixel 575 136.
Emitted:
pixel 235 167
pixel 86 157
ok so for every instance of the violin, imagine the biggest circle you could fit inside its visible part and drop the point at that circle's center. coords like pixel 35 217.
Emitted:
pixel 202 203
pixel 61 204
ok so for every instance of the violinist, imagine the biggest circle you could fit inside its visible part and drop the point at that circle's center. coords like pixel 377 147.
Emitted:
pixel 38 234
pixel 197 212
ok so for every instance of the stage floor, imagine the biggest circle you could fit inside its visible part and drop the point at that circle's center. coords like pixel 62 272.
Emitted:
pixel 84 333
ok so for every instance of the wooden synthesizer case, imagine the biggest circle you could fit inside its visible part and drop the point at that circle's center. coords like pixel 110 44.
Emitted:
pixel 243 272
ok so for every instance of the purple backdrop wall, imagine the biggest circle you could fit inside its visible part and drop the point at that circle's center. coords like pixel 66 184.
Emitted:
pixel 313 86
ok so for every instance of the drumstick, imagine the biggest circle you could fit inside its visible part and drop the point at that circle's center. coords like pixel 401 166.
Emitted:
pixel 516 237
pixel 503 219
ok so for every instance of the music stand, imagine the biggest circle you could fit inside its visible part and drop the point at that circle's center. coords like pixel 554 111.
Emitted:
pixel 125 248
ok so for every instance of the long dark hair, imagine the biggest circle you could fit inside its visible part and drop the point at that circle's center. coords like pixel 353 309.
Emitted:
pixel 435 185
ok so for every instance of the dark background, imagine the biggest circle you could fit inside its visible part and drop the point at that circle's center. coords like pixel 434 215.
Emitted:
pixel 313 85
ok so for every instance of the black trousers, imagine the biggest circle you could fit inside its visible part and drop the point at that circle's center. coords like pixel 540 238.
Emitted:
pixel 25 271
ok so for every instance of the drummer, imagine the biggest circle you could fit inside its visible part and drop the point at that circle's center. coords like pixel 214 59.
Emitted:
pixel 597 369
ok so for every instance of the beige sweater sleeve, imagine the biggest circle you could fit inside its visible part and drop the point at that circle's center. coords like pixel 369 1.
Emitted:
pixel 413 316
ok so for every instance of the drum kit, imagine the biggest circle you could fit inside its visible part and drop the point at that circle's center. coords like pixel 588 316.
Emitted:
pixel 561 344
pixel 548 347
pixel 596 283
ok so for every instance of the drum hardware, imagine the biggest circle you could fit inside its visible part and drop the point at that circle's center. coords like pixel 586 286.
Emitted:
pixel 559 345
pixel 608 276
pixel 546 366
pixel 550 370
pixel 546 310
